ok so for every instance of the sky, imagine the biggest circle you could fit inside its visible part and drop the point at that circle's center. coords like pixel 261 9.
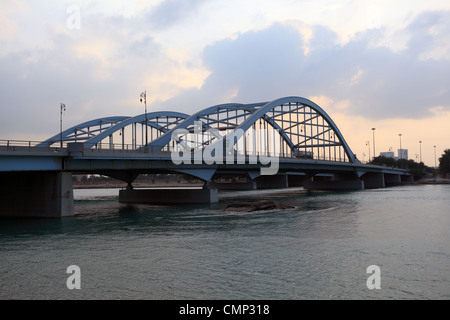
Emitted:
pixel 368 64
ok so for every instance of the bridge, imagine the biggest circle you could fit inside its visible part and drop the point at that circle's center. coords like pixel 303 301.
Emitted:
pixel 278 144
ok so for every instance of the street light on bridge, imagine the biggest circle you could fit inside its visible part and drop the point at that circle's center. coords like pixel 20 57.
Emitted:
pixel 435 163
pixel 420 145
pixel 63 108
pixel 144 99
pixel 400 151
pixel 373 131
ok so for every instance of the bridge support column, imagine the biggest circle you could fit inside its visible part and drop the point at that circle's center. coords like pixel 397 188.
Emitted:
pixel 36 194
pixel 405 178
pixel 168 196
pixel 296 180
pixel 392 179
pixel 373 180
pixel 338 183
pixel 272 182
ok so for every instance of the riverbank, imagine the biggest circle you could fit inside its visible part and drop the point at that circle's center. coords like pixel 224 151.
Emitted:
pixel 437 180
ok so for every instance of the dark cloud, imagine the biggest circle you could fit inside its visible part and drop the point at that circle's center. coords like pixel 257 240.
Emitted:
pixel 378 82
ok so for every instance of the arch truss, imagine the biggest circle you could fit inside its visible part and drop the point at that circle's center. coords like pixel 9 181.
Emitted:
pixel 291 127
pixel 126 133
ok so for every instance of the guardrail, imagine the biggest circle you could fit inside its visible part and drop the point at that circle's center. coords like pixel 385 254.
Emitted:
pixel 22 145
pixel 33 146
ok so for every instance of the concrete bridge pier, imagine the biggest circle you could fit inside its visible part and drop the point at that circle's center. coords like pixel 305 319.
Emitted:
pixel 338 182
pixel 279 181
pixel 407 178
pixel 296 180
pixel 373 180
pixel 36 194
pixel 206 194
pixel 392 179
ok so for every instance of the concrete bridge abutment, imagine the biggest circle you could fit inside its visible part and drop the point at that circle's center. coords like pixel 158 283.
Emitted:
pixel 36 194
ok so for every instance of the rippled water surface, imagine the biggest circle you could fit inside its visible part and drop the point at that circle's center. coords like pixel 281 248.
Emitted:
pixel 320 249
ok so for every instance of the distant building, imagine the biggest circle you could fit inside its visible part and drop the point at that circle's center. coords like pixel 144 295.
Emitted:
pixel 389 154
pixel 403 154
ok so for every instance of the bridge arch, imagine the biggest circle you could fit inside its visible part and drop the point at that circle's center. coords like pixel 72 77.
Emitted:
pixel 83 131
pixel 93 132
pixel 304 126
pixel 293 127
pixel 162 121
pixel 286 127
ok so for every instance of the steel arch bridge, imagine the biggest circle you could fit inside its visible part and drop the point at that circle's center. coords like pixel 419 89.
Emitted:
pixel 302 144
pixel 289 127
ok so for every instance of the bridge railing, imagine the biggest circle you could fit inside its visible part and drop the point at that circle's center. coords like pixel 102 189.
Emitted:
pixel 126 147
pixel 23 145
pixel 32 146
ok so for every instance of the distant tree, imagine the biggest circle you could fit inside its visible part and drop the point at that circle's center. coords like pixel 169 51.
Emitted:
pixel 444 162
pixel 384 161
pixel 416 169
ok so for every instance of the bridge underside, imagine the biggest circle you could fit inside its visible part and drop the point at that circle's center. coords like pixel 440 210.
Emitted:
pixel 50 193
pixel 36 194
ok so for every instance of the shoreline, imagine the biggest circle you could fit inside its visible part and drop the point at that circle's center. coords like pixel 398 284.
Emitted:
pixel 438 180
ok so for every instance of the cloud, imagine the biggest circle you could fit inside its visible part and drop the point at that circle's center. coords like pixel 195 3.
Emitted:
pixel 373 81
pixel 169 12
pixel 94 72
pixel 8 27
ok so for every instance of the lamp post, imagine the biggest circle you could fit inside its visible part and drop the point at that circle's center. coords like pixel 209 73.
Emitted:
pixel 368 145
pixel 400 151
pixel 420 145
pixel 63 108
pixel 144 99
pixel 420 153
pixel 435 163
pixel 373 133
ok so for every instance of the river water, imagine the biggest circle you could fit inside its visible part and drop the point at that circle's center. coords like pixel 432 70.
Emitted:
pixel 320 249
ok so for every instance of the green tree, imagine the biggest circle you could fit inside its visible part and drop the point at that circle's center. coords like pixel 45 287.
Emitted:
pixel 444 162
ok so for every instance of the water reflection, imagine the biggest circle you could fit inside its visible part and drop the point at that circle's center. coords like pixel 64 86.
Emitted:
pixel 318 249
